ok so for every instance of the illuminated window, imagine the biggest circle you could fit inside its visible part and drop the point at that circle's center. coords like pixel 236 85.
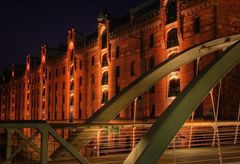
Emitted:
pixel 105 97
pixel 104 40
pixel 196 25
pixel 171 11
pixel 172 38
pixel 105 78
pixel 117 52
pixel 132 68
pixel 104 60
pixel 151 41
pixel 174 87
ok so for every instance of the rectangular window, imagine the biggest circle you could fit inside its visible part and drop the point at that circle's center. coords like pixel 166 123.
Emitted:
pixel 80 96
pixel 196 25
pixel 80 80
pixel 63 99
pixel 63 70
pixel 56 86
pixel 63 85
pixel 117 52
pixel 92 62
pixel 56 73
pixel 132 68
pixel 55 100
pixel 92 79
pixel 49 75
pixel 117 71
pixel 151 41
pixel 151 63
pixel 92 95
pixel 80 65
pixel 49 89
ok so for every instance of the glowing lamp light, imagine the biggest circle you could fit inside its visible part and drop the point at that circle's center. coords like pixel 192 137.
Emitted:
pixel 71 45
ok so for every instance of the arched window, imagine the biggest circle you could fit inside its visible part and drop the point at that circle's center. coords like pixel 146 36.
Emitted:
pixel 172 38
pixel 105 97
pixel 104 40
pixel 105 78
pixel 174 87
pixel 104 60
pixel 171 11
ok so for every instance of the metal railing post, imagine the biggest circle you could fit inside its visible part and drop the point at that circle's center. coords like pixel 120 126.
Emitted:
pixel 9 145
pixel 44 145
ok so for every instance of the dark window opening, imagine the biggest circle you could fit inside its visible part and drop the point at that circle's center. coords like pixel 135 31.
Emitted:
pixel 64 70
pixel 80 113
pixel 196 25
pixel 72 56
pixel 80 96
pixel 132 68
pixel 104 40
pixel 80 65
pixel 174 87
pixel 151 63
pixel 56 73
pixel 152 114
pixel 117 52
pixel 152 90
pixel 92 62
pixel 72 86
pixel 104 60
pixel 151 41
pixel 71 71
pixel 171 11
pixel 117 71
pixel 72 101
pixel 117 89
pixel 172 38
pixel 92 79
pixel 92 95
pixel 105 97
pixel 80 80
pixel 105 78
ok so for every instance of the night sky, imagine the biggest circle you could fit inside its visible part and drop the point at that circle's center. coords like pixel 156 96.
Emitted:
pixel 28 24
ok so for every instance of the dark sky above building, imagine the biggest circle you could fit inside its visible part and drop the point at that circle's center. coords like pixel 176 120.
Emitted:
pixel 28 24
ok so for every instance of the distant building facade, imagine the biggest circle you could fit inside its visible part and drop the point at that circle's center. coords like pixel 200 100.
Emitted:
pixel 74 81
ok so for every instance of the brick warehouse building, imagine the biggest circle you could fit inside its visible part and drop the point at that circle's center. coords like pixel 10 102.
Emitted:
pixel 71 82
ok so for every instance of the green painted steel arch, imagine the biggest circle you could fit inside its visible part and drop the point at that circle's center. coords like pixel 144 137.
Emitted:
pixel 112 108
pixel 154 143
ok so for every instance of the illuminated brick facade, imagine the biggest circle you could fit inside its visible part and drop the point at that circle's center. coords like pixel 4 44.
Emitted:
pixel 73 81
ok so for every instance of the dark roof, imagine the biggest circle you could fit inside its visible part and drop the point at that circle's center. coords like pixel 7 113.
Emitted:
pixel 53 53
pixel 19 70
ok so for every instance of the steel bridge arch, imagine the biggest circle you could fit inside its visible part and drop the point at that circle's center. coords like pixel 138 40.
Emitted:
pixel 154 143
pixel 112 108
